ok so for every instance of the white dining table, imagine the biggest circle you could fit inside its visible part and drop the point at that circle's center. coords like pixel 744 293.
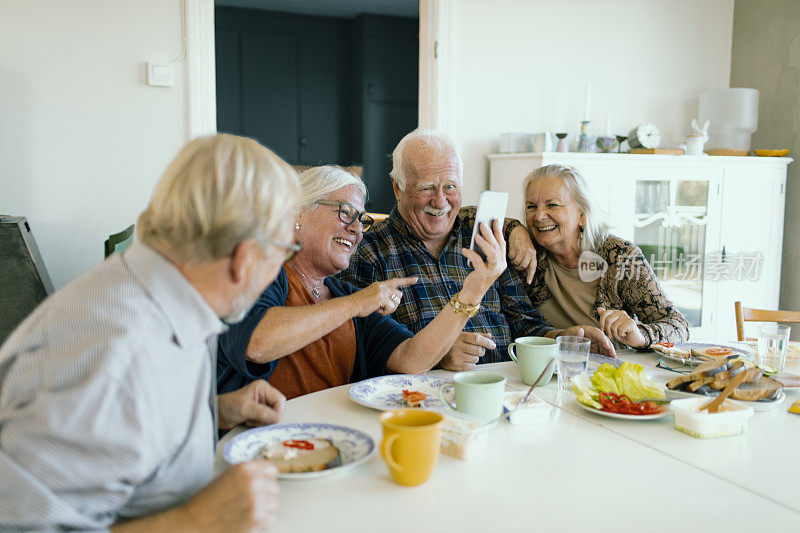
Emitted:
pixel 578 471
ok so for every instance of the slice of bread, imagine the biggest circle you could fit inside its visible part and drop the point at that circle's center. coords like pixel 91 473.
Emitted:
pixel 671 350
pixel 291 459
pixel 766 388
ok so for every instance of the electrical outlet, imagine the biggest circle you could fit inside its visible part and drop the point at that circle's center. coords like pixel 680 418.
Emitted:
pixel 160 74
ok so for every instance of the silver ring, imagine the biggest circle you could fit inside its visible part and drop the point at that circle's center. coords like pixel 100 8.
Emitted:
pixel 395 298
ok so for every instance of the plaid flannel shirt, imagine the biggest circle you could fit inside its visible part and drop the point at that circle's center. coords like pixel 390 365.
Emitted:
pixel 391 250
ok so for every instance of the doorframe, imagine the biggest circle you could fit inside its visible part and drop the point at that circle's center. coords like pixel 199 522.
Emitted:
pixel 201 76
pixel 437 20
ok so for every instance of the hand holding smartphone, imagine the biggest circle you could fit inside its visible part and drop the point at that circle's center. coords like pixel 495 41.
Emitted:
pixel 491 205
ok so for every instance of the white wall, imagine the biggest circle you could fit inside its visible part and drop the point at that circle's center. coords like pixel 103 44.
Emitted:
pixel 523 65
pixel 83 139
pixel 773 33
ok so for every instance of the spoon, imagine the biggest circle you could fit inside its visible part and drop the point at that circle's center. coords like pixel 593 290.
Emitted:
pixel 525 399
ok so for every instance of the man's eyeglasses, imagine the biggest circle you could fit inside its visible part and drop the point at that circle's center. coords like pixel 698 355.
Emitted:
pixel 290 247
pixel 349 214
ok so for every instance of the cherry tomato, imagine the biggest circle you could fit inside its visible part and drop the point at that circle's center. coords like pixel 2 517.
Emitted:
pixel 301 444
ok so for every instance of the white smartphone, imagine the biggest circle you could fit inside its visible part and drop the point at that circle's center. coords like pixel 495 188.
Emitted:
pixel 491 205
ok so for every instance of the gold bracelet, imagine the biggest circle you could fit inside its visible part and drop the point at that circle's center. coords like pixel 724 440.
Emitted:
pixel 468 311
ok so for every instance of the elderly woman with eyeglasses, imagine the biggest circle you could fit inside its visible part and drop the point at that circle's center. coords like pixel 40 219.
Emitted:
pixel 310 331
pixel 625 301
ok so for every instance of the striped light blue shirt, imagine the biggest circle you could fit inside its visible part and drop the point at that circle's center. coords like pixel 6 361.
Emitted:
pixel 104 398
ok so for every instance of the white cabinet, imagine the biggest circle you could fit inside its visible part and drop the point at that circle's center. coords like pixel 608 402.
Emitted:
pixel 711 227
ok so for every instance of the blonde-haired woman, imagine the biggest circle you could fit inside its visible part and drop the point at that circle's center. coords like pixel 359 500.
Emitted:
pixel 627 301
pixel 310 331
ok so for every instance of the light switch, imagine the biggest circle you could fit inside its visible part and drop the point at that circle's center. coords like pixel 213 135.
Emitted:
pixel 160 74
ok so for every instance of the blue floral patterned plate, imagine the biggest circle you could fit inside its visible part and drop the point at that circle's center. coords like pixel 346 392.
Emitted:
pixel 386 392
pixel 355 447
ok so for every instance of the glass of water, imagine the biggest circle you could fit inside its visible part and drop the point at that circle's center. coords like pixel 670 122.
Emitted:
pixel 773 341
pixel 573 358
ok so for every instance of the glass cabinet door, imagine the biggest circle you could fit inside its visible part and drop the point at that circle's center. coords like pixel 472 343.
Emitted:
pixel 670 221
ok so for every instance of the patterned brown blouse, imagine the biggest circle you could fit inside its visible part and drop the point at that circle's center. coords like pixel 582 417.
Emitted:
pixel 628 284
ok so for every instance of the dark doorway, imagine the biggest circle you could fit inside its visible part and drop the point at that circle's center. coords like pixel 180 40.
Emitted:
pixel 319 89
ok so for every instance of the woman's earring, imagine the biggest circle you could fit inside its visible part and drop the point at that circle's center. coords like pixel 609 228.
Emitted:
pixel 297 226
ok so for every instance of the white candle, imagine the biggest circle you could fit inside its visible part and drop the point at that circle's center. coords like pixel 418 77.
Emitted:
pixel 608 124
pixel 586 103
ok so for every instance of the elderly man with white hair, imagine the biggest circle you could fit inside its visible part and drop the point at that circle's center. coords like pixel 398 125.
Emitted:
pixel 108 410
pixel 309 331
pixel 424 237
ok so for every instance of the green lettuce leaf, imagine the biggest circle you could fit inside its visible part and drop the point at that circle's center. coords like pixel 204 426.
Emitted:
pixel 604 379
pixel 632 382
pixel 586 393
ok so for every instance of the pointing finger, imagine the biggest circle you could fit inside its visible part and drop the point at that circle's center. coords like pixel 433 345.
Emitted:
pixel 403 282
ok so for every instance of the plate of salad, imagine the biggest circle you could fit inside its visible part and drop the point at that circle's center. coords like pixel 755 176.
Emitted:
pixel 619 393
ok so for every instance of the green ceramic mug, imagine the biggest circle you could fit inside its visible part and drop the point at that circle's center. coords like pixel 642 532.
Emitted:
pixel 477 394
pixel 532 354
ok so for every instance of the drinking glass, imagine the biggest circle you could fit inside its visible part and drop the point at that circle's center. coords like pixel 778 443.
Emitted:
pixel 573 358
pixel 773 341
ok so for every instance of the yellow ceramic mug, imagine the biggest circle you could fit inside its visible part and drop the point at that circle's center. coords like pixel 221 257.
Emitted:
pixel 412 439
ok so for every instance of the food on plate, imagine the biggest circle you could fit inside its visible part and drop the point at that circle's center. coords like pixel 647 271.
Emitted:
pixel 712 352
pixel 413 398
pixel 669 348
pixel 621 404
pixel 718 373
pixel 736 367
pixel 301 455
pixel 762 387
pixel 731 419
pixel 628 379
pixel 618 390
pixel 705 370
pixel 795 408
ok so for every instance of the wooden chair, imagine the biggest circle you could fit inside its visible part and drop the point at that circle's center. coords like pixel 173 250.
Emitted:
pixel 119 242
pixel 747 314
pixel 377 217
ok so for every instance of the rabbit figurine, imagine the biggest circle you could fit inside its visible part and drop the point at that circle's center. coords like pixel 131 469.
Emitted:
pixel 698 138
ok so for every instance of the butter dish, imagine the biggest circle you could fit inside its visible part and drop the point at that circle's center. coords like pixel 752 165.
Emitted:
pixel 535 411
pixel 464 438
pixel 730 420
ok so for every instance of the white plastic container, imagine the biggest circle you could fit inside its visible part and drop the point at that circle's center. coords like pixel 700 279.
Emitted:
pixel 464 438
pixel 535 411
pixel 730 420
pixel 734 117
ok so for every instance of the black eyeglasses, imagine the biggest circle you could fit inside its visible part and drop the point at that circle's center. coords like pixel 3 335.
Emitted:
pixel 349 214
pixel 290 247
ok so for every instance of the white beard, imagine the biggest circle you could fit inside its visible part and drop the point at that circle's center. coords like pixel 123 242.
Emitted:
pixel 242 303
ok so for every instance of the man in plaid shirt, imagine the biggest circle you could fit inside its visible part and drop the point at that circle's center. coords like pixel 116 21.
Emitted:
pixel 424 236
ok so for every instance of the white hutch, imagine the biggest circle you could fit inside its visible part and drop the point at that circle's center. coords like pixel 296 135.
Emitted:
pixel 711 227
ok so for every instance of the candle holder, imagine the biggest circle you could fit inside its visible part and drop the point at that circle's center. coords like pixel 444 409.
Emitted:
pixel 606 144
pixel 620 139
pixel 586 141
pixel 562 144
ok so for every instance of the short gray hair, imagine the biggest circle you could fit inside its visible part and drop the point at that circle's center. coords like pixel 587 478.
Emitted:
pixel 436 140
pixel 218 192
pixel 596 229
pixel 317 183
